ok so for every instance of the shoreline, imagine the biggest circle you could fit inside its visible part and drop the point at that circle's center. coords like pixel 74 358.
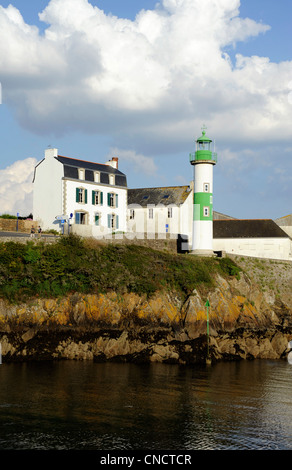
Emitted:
pixel 148 347
pixel 241 309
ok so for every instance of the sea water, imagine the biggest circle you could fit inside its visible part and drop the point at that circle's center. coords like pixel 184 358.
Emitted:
pixel 88 406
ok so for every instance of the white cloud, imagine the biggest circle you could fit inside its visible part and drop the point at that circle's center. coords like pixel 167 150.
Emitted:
pixel 16 187
pixel 161 75
pixel 138 162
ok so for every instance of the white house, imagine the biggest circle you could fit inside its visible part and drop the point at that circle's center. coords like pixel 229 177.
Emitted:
pixel 91 197
pixel 261 238
pixel 160 211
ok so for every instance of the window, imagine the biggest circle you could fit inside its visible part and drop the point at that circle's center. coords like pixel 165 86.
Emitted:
pixel 206 211
pixel 80 218
pixel 97 218
pixel 169 212
pixel 150 213
pixel 132 214
pixel 111 179
pixel 204 145
pixel 206 187
pixel 97 198
pixel 112 200
pixel 97 176
pixel 113 221
pixel 81 195
pixel 81 173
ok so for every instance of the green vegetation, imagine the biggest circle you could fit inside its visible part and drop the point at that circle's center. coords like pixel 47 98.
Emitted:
pixel 229 267
pixel 76 265
pixel 8 216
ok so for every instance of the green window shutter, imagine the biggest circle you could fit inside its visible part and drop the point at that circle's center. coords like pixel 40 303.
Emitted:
pixel 109 221
pixel 101 198
pixel 117 222
pixel 117 200
pixel 77 194
pixel 108 199
pixel 93 197
pixel 96 219
pixel 85 196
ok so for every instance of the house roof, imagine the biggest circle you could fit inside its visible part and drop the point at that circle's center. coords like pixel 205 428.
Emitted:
pixel 88 165
pixel 154 196
pixel 71 166
pixel 252 228
pixel 220 216
pixel 284 221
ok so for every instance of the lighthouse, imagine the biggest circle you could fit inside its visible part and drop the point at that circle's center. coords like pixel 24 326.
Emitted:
pixel 203 160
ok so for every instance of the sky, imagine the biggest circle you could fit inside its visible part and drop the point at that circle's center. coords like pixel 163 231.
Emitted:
pixel 138 79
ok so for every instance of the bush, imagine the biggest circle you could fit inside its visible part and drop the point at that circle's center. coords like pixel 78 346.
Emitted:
pixel 8 216
pixel 75 265
pixel 229 267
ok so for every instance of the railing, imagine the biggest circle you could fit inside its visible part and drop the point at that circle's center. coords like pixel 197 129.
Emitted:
pixel 203 156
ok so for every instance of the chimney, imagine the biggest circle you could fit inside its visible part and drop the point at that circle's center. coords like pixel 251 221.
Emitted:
pixel 49 153
pixel 114 162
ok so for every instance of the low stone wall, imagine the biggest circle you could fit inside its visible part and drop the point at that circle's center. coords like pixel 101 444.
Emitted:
pixel 172 245
pixel 158 241
pixel 165 243
pixel 10 225
pixel 25 239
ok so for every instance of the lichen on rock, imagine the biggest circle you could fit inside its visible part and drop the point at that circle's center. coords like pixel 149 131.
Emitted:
pixel 246 321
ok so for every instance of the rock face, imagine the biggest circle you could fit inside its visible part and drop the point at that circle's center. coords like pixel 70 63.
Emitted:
pixel 245 322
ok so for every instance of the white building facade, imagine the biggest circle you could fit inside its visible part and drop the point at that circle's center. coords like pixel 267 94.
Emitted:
pixel 89 199
pixel 259 238
pixel 160 212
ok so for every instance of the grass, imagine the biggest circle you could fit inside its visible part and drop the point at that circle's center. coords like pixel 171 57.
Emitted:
pixel 73 264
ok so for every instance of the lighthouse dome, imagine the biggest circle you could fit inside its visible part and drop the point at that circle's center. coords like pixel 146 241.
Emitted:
pixel 204 138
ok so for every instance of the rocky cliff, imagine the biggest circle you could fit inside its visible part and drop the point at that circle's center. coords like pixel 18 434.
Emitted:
pixel 249 317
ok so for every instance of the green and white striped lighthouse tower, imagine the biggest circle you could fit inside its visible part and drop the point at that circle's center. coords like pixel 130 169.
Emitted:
pixel 203 160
